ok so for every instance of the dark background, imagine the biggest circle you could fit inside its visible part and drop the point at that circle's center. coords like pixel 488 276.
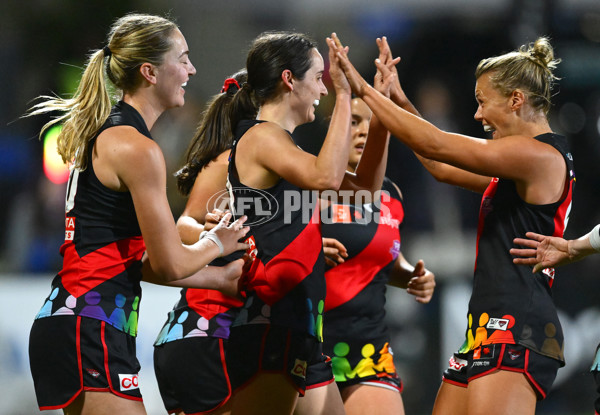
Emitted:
pixel 43 46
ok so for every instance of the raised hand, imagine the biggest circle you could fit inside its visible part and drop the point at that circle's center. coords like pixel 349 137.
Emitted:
pixel 334 251
pixel 338 77
pixel 422 284
pixel 339 54
pixel 386 80
pixel 541 251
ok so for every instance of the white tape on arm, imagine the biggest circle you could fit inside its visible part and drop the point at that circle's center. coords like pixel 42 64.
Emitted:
pixel 213 237
pixel 595 238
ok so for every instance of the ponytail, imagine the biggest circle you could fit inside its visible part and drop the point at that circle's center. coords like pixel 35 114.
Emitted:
pixel 133 40
pixel 216 130
pixel 83 114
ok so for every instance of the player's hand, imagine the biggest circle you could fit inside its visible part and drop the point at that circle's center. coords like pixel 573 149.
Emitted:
pixel 212 219
pixel 422 284
pixel 339 54
pixel 335 252
pixel 230 234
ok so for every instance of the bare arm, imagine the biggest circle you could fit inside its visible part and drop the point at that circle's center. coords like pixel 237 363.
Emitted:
pixel 208 187
pixel 130 161
pixel 267 152
pixel 537 168
pixel 549 251
pixel 196 218
pixel 224 279
pixel 370 171
pixel 442 172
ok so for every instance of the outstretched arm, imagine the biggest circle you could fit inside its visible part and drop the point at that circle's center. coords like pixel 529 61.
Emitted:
pixel 326 170
pixel 370 171
pixel 442 172
pixel 224 279
pixel 538 168
pixel 125 160
pixel 207 194
pixel 548 251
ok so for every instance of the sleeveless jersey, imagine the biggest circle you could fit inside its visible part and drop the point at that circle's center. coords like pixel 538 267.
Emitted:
pixel 201 313
pixel 103 248
pixel 354 330
pixel 509 304
pixel 354 305
pixel 285 284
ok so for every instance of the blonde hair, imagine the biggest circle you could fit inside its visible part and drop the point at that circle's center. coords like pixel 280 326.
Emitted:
pixel 132 41
pixel 529 69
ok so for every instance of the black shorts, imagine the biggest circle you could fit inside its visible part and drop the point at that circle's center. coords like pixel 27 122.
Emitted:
pixel 319 372
pixel 595 369
pixel 266 348
pixel 192 375
pixel 373 365
pixel 540 370
pixel 68 354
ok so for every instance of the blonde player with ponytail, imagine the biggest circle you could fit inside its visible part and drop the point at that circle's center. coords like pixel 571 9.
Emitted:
pixel 119 226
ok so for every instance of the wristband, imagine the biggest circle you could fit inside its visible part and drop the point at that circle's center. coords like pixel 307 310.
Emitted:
pixel 215 238
pixel 595 238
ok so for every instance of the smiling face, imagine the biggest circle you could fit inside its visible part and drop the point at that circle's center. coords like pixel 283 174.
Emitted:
pixel 174 72
pixel 309 90
pixel 494 110
pixel 361 117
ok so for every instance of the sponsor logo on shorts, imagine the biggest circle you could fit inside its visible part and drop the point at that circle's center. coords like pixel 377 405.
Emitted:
pixel 484 352
pixel 128 382
pixel 514 354
pixel 481 363
pixel 299 369
pixel 93 372
pixel 456 363
pixel 497 324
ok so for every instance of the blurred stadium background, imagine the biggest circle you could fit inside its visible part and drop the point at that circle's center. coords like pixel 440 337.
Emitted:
pixel 43 45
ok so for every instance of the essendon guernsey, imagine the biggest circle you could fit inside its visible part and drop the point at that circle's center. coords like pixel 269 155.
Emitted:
pixel 509 304
pixel 103 247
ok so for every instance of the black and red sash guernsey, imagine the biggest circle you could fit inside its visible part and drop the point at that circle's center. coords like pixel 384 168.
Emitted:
pixel 354 305
pixel 509 304
pixel 201 313
pixel 285 284
pixel 103 245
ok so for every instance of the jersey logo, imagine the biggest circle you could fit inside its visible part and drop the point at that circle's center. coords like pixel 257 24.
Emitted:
pixel 456 363
pixel 514 354
pixel 497 324
pixel 483 352
pixel 69 228
pixel 128 382
pixel 299 369
pixel 385 218
pixel 252 251
pixel 93 372
pixel 340 214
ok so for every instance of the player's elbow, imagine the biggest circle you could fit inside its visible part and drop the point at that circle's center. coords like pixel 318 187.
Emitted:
pixel 169 271
pixel 329 182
